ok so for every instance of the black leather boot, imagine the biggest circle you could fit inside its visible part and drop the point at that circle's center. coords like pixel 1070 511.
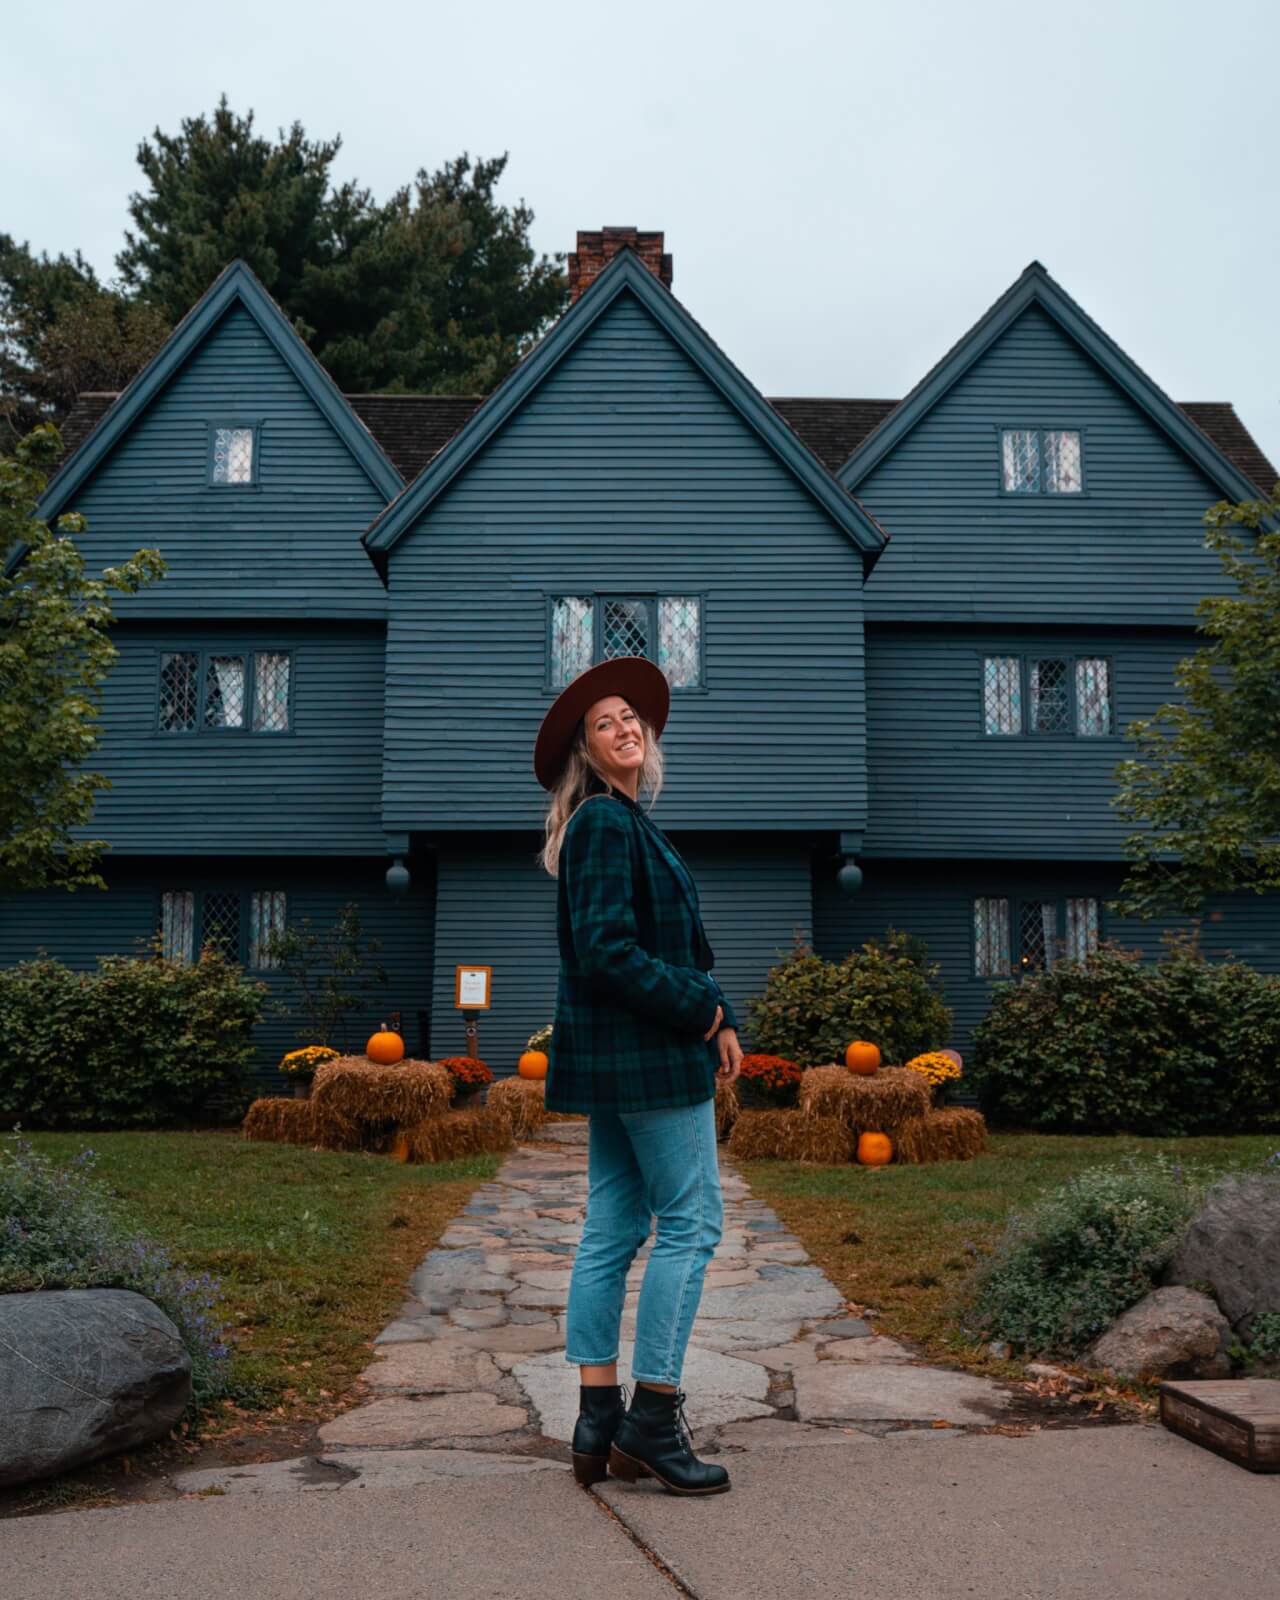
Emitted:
pixel 601 1408
pixel 653 1437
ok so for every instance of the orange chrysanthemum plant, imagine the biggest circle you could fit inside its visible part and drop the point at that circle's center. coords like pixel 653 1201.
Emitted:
pixel 771 1080
pixel 468 1074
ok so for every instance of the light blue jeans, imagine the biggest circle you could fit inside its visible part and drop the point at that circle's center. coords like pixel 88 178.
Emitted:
pixel 640 1165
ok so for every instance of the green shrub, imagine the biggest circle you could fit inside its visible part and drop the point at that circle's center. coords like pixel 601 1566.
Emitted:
pixel 1065 1270
pixel 887 992
pixel 1111 1045
pixel 1264 1337
pixel 138 1043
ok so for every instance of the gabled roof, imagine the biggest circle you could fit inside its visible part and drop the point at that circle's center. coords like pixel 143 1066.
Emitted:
pixel 625 275
pixel 1036 288
pixel 236 283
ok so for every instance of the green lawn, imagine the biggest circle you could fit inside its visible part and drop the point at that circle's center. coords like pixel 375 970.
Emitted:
pixel 904 1239
pixel 313 1248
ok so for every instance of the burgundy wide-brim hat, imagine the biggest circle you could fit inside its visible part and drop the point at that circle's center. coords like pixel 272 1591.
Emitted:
pixel 641 683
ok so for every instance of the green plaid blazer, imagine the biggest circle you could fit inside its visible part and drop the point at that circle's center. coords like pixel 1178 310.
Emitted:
pixel 636 993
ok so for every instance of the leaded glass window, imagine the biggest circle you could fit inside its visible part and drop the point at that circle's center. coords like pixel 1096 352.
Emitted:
pixel 1037 929
pixel 1062 462
pixel 679 635
pixel 626 629
pixel 177 924
pixel 266 916
pixel 1050 697
pixel 572 637
pixel 1002 694
pixel 270 692
pixel 179 690
pixel 1041 461
pixel 1082 928
pixel 1020 449
pixel 1093 695
pixel 232 455
pixel 220 924
pixel 224 692
pixel 991 937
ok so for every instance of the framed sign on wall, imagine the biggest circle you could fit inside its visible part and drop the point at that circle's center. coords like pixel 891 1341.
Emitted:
pixel 471 988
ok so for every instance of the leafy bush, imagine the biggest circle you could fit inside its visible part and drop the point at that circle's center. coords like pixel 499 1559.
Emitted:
pixel 1065 1270
pixel 138 1043
pixel 1109 1045
pixel 887 992
pixel 61 1229
pixel 1264 1337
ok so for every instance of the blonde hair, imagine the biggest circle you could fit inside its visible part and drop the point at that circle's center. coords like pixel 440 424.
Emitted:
pixel 573 786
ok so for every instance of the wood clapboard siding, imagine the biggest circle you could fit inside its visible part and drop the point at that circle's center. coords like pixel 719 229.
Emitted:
pixel 935 901
pixel 941 786
pixel 314 790
pixel 288 547
pixel 1128 551
pixel 626 471
pixel 78 929
pixel 496 907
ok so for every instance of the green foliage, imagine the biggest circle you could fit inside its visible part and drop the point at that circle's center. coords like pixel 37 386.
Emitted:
pixel 331 972
pixel 887 992
pixel 1113 1045
pixel 55 651
pixel 1264 1337
pixel 138 1043
pixel 1067 1268
pixel 1204 787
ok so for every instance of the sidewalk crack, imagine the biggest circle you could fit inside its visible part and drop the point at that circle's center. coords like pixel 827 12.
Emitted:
pixel 678 1584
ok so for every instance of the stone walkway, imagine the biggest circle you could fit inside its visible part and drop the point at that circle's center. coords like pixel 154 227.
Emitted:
pixel 470 1379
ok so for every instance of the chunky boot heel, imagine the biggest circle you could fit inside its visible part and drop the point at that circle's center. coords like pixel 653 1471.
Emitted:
pixel 653 1441
pixel 601 1408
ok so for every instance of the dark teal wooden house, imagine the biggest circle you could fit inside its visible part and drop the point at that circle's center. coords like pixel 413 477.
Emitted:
pixel 904 639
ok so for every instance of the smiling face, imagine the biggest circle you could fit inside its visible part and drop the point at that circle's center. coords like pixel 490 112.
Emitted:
pixel 615 740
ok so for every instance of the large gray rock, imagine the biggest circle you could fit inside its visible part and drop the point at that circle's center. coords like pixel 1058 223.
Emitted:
pixel 1233 1245
pixel 1172 1332
pixel 84 1373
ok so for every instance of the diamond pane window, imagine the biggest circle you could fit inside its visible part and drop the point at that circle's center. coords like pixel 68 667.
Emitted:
pixel 679 630
pixel 991 938
pixel 1062 462
pixel 1037 921
pixel 270 692
pixel 1020 451
pixel 266 916
pixel 572 637
pixel 626 629
pixel 224 692
pixel 221 925
pixel 233 455
pixel 1093 695
pixel 1082 928
pixel 1050 702
pixel 177 924
pixel 1002 694
pixel 179 690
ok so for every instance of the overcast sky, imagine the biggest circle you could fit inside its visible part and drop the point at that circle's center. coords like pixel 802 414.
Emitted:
pixel 845 188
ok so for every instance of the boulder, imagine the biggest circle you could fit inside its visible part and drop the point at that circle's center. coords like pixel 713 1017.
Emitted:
pixel 1233 1246
pixel 1170 1333
pixel 84 1373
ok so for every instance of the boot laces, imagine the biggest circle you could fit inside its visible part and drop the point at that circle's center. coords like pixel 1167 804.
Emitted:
pixel 683 1432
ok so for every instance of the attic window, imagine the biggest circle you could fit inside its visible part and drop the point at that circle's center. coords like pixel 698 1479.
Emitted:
pixel 1041 461
pixel 233 456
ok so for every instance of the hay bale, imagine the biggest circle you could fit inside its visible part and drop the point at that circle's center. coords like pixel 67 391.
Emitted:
pixel 357 1103
pixel 279 1121
pixel 955 1133
pixel 880 1103
pixel 523 1101
pixel 728 1108
pixel 790 1136
pixel 454 1134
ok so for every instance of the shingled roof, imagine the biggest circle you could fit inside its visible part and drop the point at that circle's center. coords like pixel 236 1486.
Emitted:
pixel 413 428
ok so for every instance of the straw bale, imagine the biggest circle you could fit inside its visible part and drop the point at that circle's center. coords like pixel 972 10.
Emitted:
pixel 879 1103
pixel 728 1108
pixel 955 1133
pixel 790 1136
pixel 523 1101
pixel 280 1121
pixel 359 1104
pixel 457 1133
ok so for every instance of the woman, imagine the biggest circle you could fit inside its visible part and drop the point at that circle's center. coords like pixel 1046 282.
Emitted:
pixel 642 1032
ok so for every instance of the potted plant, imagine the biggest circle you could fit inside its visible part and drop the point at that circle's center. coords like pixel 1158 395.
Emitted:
pixel 300 1066
pixel 469 1075
pixel 769 1080
pixel 941 1068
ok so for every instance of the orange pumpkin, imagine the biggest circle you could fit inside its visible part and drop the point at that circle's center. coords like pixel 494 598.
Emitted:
pixel 400 1148
pixel 862 1057
pixel 533 1064
pixel 385 1047
pixel 875 1149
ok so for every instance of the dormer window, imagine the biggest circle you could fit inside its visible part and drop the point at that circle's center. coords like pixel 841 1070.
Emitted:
pixel 233 455
pixel 1041 461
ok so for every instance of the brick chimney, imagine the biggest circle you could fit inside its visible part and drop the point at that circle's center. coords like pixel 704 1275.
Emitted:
pixel 596 250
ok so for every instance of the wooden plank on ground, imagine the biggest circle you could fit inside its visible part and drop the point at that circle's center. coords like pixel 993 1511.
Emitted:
pixel 1236 1418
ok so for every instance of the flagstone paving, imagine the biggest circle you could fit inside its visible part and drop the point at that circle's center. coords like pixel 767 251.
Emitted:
pixel 470 1379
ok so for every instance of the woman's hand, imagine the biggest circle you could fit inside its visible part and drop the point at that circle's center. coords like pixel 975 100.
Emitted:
pixel 716 1023
pixel 730 1055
